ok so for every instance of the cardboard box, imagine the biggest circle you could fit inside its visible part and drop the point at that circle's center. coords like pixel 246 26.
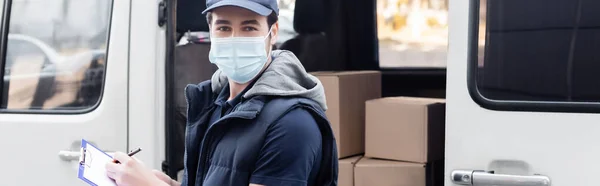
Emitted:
pixel 405 129
pixel 369 172
pixel 346 170
pixel 346 93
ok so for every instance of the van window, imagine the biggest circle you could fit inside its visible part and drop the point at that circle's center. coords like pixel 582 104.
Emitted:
pixel 412 33
pixel 55 60
pixel 537 52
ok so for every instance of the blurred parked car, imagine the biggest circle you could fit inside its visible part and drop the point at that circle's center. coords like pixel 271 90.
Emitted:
pixel 37 76
pixel 22 46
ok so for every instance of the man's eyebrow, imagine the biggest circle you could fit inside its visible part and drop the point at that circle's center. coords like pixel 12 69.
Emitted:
pixel 221 21
pixel 250 22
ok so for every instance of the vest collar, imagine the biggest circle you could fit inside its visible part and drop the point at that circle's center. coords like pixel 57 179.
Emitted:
pixel 248 109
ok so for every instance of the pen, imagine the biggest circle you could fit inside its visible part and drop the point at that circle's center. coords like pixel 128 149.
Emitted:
pixel 130 154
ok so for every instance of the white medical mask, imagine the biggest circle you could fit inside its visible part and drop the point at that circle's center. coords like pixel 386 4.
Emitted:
pixel 240 58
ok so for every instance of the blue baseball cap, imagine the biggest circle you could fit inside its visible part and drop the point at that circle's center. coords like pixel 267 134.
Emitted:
pixel 261 7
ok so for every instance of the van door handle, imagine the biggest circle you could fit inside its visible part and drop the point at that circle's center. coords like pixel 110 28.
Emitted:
pixel 482 178
pixel 69 155
pixel 74 153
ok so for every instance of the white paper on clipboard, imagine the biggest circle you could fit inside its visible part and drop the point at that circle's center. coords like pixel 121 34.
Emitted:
pixel 92 165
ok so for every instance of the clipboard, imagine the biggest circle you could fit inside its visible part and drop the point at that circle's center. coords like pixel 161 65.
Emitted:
pixel 92 165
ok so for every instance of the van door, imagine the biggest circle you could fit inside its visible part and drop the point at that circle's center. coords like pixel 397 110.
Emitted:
pixel 64 72
pixel 523 93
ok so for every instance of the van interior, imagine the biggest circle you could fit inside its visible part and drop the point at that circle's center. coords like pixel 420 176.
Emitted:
pixel 329 35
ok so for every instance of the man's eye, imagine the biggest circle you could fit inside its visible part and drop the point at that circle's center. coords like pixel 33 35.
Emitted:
pixel 249 29
pixel 224 29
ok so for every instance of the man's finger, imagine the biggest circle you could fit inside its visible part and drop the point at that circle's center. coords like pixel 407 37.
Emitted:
pixel 122 157
pixel 112 169
pixel 111 175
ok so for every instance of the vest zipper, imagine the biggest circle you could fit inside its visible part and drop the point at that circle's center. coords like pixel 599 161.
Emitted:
pixel 204 146
pixel 206 151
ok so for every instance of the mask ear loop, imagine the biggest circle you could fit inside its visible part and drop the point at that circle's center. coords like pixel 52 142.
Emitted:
pixel 270 45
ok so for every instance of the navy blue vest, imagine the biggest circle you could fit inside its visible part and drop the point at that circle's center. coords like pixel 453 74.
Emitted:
pixel 225 153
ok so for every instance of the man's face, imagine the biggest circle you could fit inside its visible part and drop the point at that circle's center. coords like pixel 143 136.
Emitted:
pixel 232 21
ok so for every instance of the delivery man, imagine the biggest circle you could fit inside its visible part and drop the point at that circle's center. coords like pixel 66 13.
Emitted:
pixel 260 119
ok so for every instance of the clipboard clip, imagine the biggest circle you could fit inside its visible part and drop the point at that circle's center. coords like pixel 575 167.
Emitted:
pixel 85 157
pixel 82 154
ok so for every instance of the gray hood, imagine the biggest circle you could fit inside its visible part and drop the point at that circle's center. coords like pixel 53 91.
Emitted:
pixel 285 76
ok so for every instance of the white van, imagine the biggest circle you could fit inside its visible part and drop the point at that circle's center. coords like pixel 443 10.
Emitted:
pixel 519 78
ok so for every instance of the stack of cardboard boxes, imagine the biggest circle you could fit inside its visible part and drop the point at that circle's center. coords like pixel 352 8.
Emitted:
pixel 401 138
pixel 404 136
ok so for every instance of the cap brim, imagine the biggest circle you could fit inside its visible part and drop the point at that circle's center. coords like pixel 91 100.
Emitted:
pixel 250 5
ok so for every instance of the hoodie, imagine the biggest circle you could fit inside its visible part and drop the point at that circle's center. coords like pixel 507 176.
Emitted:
pixel 285 76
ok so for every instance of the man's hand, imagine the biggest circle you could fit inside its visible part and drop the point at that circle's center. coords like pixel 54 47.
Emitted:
pixel 131 172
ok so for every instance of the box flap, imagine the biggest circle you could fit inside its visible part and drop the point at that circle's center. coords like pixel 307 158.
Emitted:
pixel 409 100
pixel 350 160
pixel 370 162
pixel 318 73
